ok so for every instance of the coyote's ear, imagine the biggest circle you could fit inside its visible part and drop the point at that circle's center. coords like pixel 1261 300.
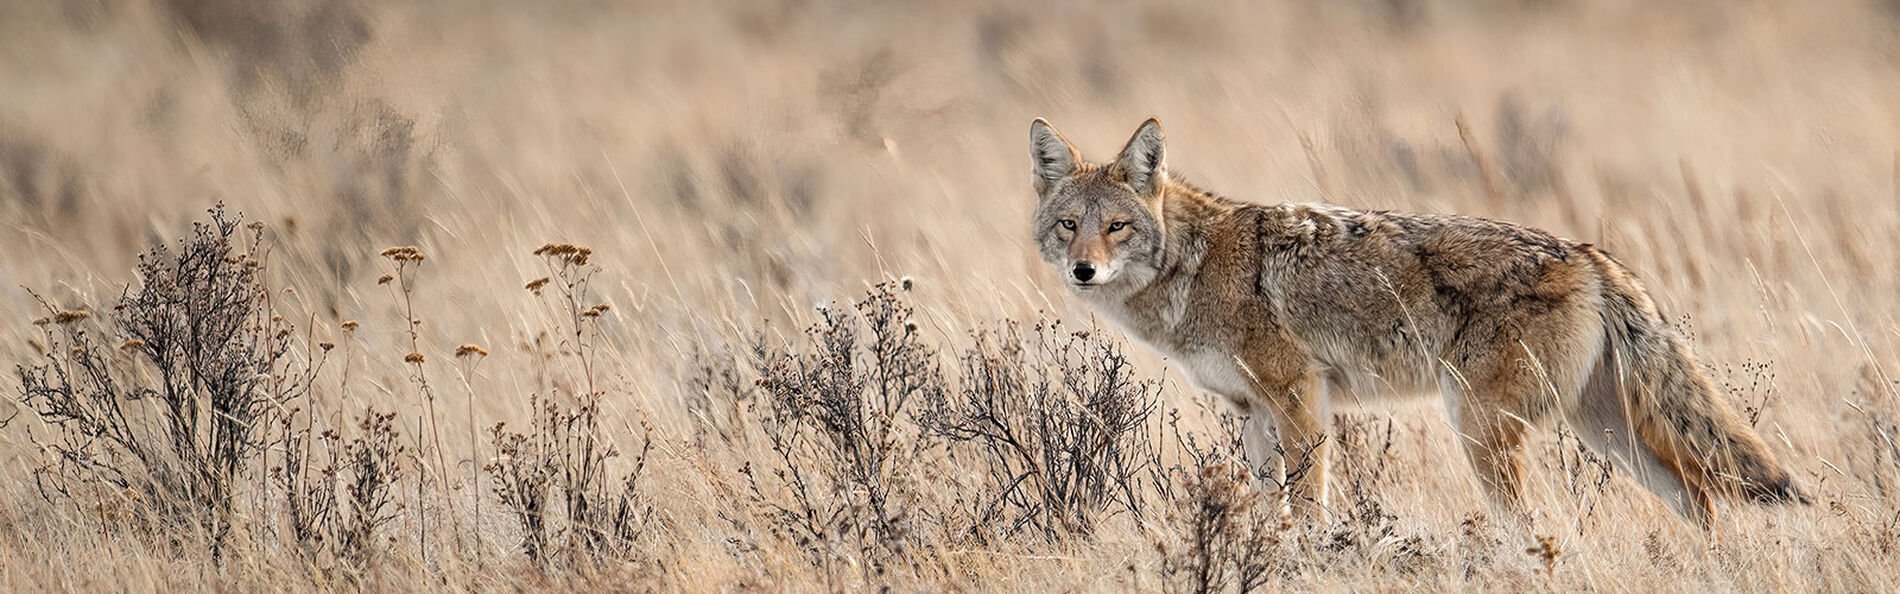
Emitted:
pixel 1143 161
pixel 1052 157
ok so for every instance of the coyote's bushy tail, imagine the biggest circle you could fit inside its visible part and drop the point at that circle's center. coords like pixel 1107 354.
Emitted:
pixel 1673 407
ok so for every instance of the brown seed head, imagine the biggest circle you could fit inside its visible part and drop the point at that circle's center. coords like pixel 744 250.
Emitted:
pixel 407 253
pixel 470 350
pixel 415 358
pixel 566 252
pixel 70 316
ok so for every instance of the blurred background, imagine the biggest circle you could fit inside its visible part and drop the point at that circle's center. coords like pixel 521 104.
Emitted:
pixel 732 164
pixel 742 161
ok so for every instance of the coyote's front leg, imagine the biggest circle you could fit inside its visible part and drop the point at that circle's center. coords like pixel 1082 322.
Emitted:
pixel 1295 398
pixel 1260 438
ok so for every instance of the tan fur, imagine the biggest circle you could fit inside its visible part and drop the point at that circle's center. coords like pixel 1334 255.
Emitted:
pixel 1278 308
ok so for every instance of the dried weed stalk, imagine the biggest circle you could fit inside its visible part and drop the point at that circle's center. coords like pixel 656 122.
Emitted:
pixel 564 453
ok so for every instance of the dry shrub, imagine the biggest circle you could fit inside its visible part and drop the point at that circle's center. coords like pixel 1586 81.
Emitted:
pixel 177 408
pixel 171 420
pixel 835 414
pixel 1223 537
pixel 1060 424
pixel 523 473
pixel 354 494
pixel 372 463
pixel 561 459
pixel 336 512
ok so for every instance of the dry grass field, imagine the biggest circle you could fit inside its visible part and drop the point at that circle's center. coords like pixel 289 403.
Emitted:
pixel 739 296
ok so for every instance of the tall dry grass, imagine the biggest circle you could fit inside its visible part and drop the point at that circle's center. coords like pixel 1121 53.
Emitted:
pixel 751 179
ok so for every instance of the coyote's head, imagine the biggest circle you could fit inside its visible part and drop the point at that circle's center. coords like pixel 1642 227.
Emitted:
pixel 1100 225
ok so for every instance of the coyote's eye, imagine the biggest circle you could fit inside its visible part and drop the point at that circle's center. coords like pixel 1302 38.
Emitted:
pixel 1117 226
pixel 1067 224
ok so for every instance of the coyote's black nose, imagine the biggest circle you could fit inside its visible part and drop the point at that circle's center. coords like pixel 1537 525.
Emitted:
pixel 1084 271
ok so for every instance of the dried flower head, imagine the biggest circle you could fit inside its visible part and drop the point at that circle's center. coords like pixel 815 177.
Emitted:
pixel 566 252
pixel 42 321
pixel 408 253
pixel 536 285
pixel 384 279
pixel 70 316
pixel 326 346
pixel 470 350
pixel 349 325
pixel 131 344
pixel 906 282
pixel 415 358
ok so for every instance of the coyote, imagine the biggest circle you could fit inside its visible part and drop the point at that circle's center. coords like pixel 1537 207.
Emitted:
pixel 1279 309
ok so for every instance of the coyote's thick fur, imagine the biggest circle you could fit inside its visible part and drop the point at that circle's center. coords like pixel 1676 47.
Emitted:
pixel 1279 308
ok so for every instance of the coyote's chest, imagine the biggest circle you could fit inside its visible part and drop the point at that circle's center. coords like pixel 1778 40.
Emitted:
pixel 1162 325
pixel 1157 323
pixel 1209 367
